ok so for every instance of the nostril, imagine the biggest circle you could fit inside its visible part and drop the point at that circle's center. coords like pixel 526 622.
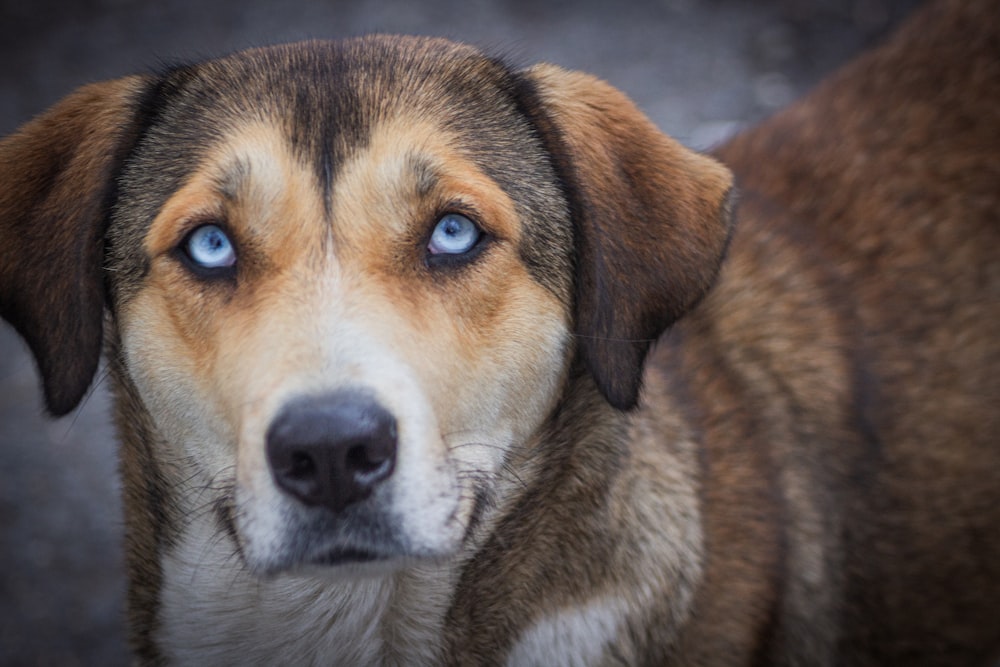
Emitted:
pixel 369 463
pixel 359 458
pixel 302 466
pixel 296 472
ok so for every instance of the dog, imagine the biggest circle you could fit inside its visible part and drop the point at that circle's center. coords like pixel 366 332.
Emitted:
pixel 421 358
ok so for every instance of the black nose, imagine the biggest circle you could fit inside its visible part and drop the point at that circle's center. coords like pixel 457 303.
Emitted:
pixel 332 450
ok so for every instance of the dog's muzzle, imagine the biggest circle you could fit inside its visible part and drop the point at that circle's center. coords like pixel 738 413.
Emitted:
pixel 332 450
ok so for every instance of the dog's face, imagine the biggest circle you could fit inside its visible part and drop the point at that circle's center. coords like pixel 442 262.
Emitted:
pixel 345 278
pixel 348 255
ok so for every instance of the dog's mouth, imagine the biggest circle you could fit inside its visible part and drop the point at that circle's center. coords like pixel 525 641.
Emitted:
pixel 317 540
pixel 347 556
pixel 317 558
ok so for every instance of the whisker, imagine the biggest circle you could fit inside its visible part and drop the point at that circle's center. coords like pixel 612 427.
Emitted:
pixel 99 380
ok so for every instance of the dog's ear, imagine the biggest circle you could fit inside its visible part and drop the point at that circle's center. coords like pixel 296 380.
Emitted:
pixel 55 178
pixel 651 219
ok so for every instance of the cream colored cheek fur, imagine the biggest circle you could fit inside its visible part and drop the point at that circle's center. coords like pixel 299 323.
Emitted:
pixel 199 439
pixel 496 398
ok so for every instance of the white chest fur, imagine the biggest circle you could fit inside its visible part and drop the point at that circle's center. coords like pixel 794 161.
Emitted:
pixel 575 637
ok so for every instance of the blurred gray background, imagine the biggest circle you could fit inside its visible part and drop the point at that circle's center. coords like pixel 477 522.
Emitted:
pixel 702 69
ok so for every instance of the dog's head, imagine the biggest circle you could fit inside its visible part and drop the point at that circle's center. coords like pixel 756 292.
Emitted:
pixel 347 280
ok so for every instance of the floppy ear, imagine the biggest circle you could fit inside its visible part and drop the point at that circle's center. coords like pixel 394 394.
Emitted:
pixel 56 174
pixel 651 219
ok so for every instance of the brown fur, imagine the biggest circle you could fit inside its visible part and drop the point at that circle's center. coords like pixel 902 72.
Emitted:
pixel 56 174
pixel 884 184
pixel 801 470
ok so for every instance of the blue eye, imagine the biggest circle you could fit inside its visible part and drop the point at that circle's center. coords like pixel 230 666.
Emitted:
pixel 454 235
pixel 210 248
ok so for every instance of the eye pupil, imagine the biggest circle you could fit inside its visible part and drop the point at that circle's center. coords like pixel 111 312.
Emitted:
pixel 213 241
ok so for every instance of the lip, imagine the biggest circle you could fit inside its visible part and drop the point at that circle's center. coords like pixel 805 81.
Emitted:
pixel 346 557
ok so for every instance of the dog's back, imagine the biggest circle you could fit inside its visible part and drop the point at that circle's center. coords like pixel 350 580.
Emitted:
pixel 853 341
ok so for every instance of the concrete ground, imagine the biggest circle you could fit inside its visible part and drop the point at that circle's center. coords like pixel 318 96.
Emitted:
pixel 701 69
